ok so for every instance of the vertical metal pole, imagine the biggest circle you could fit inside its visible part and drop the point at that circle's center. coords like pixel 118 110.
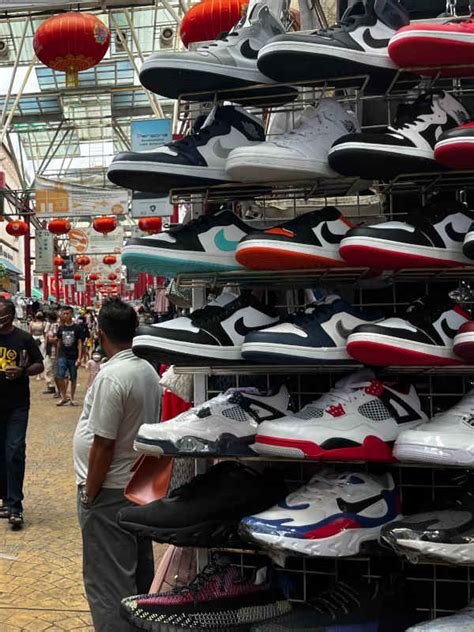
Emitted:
pixel 45 287
pixel 56 283
pixel 27 257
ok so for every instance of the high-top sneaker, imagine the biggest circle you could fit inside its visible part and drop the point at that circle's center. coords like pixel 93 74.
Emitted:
pixel 432 237
pixel 464 342
pixel 197 159
pixel 455 148
pixel 405 147
pixel 229 63
pixel 357 45
pixel 424 337
pixel 468 247
pixel 301 153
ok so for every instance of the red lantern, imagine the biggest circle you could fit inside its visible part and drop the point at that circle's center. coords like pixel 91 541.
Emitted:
pixel 207 19
pixel 109 260
pixel 58 261
pixel 104 224
pixel 77 276
pixel 93 276
pixel 17 228
pixel 112 276
pixel 83 261
pixel 71 42
pixel 113 286
pixel 59 226
pixel 150 225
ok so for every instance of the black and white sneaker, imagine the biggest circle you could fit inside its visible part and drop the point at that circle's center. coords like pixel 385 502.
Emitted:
pixel 198 159
pixel 424 337
pixel 468 247
pixel 215 332
pixel 202 245
pixel 405 147
pixel 357 45
pixel 432 237
pixel 229 63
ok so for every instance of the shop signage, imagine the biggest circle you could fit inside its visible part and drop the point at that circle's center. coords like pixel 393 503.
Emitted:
pixel 81 285
pixel 68 271
pixel 146 205
pixel 150 134
pixel 44 252
pixel 89 241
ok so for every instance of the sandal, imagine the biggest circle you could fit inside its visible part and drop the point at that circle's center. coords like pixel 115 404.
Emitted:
pixel 16 521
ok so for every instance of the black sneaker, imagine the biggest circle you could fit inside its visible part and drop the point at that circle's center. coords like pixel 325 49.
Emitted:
pixel 198 159
pixel 215 332
pixel 355 46
pixel 468 247
pixel 405 147
pixel 206 512
pixel 16 521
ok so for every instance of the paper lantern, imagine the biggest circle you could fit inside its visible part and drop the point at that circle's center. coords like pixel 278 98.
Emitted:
pixel 150 225
pixel 83 261
pixel 104 224
pixel 93 276
pixel 207 19
pixel 59 226
pixel 113 286
pixel 112 276
pixel 77 276
pixel 109 260
pixel 58 261
pixel 71 42
pixel 17 228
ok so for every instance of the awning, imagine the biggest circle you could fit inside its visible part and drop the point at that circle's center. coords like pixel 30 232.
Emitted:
pixel 10 266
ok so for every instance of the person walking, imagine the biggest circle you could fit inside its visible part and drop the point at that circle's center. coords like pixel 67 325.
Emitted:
pixel 69 355
pixel 51 345
pixel 20 359
pixel 37 330
pixel 125 394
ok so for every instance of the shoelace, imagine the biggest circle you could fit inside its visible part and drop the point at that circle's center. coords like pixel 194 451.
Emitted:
pixel 200 223
pixel 321 487
pixel 208 573
pixel 340 598
pixel 409 113
pixel 216 313
pixel 300 130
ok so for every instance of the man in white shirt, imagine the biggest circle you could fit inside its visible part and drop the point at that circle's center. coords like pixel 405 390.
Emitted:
pixel 125 394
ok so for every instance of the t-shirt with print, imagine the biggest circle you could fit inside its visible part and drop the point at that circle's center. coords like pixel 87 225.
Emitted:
pixel 17 348
pixel 69 336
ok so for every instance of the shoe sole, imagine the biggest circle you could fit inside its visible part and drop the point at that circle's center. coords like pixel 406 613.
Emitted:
pixel 455 153
pixel 243 166
pixel 264 254
pixel 223 445
pixel 464 346
pixel 384 350
pixel 435 453
pixel 468 248
pixel 392 255
pixel 161 348
pixel 450 553
pixel 293 354
pixel 372 449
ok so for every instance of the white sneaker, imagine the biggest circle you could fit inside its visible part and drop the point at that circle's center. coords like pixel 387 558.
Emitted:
pixel 300 153
pixel 448 438
pixel 462 621
pixel 224 426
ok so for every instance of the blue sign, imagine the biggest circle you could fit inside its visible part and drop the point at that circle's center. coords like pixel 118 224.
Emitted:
pixel 149 134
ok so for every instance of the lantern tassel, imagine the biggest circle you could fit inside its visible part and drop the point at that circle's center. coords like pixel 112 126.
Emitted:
pixel 72 77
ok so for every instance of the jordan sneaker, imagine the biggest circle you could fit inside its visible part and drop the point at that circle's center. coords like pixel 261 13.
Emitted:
pixel 405 147
pixel 221 597
pixel 468 247
pixel 356 46
pixel 423 338
pixel 227 64
pixel 432 48
pixel 462 621
pixel 196 160
pixel 361 420
pixel 433 237
pixel 448 439
pixel 300 154
pixel 306 242
pixel 202 245
pixel 224 426
pixel 215 332
pixel 455 149
pixel 464 342
pixel 317 335
pixel 330 516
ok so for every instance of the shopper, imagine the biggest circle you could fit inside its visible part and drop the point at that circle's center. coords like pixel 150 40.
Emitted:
pixel 20 358
pixel 124 395
pixel 93 367
pixel 51 348
pixel 37 329
pixel 69 354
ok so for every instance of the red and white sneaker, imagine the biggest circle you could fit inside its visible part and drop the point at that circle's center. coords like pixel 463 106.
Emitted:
pixel 464 342
pixel 423 338
pixel 446 48
pixel 359 419
pixel 455 148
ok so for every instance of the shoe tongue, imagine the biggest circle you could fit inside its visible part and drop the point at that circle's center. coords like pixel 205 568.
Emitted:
pixel 356 380
pixel 210 117
pixel 354 9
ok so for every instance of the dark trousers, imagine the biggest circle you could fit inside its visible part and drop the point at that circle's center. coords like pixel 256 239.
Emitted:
pixel 13 425
pixel 115 563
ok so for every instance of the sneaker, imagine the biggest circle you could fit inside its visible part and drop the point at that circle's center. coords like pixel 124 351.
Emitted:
pixel 215 332
pixel 464 342
pixel 301 153
pixel 468 247
pixel 206 511
pixel 221 597
pixel 224 426
pixel 308 241
pixel 357 45
pixel 361 420
pixel 317 335
pixel 405 147
pixel 423 338
pixel 63 402
pixel 229 63
pixel 431 237
pixel 16 521
pixel 462 621
pixel 331 516
pixel 196 160
pixel 447 439
pixel 202 245
pixel 436 46
pixel 455 149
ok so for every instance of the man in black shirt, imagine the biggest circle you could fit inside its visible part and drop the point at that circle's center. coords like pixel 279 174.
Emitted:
pixel 69 354
pixel 20 358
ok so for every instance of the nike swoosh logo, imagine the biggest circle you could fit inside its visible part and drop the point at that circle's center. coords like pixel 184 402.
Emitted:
pixel 359 506
pixel 242 329
pixel 449 331
pixel 342 331
pixel 331 238
pixel 224 244
pixel 247 51
pixel 372 42
pixel 220 150
pixel 453 234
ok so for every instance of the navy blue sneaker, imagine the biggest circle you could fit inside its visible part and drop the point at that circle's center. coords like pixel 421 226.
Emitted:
pixel 317 335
